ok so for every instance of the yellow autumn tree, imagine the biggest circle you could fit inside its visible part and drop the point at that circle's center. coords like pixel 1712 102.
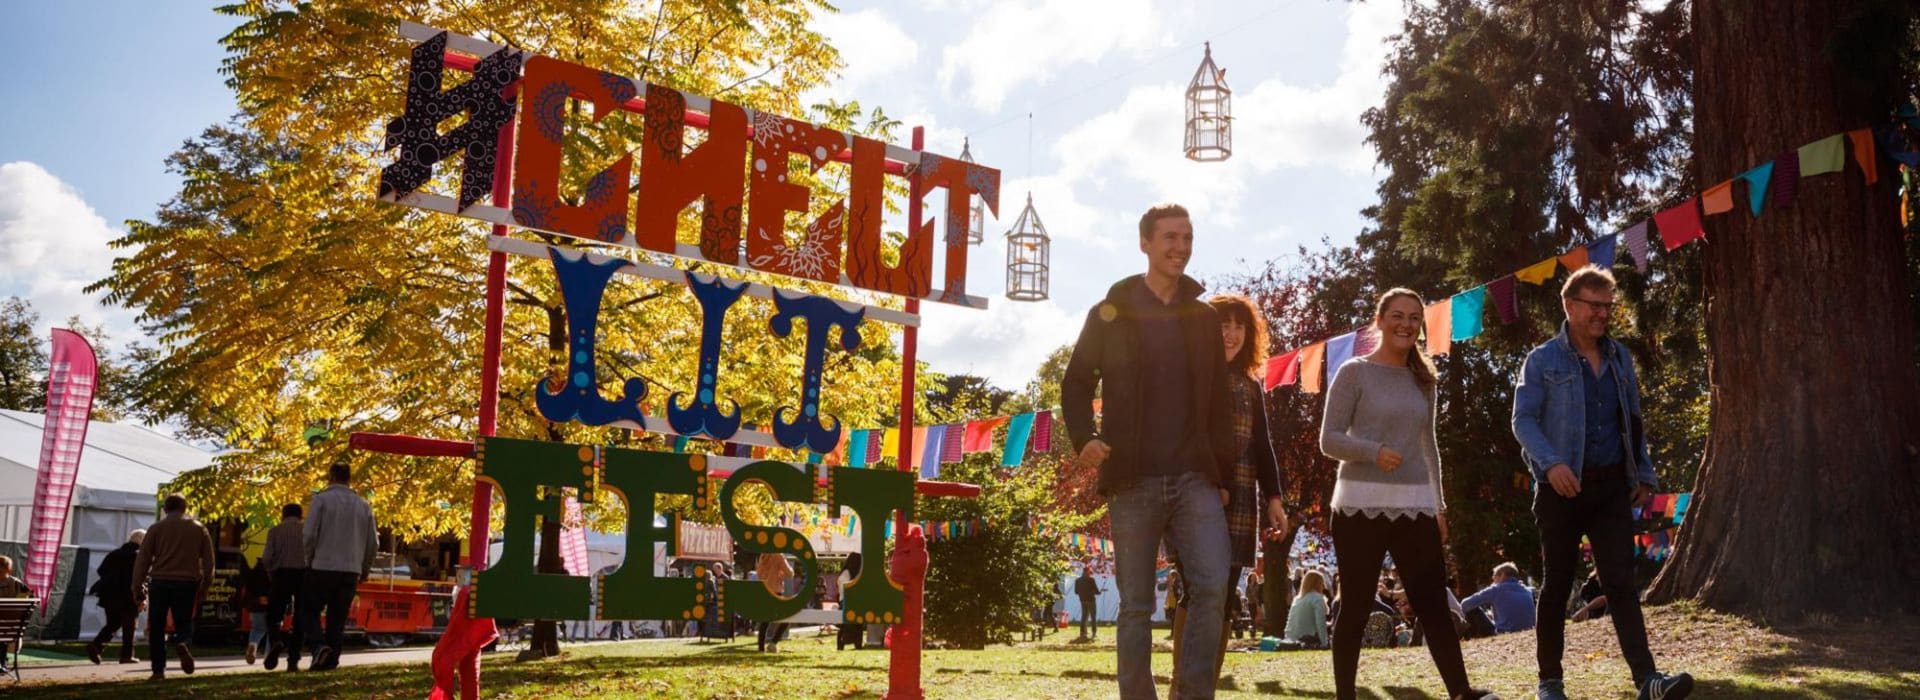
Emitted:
pixel 284 294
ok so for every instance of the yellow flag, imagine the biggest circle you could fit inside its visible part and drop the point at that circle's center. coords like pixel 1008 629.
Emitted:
pixel 1537 273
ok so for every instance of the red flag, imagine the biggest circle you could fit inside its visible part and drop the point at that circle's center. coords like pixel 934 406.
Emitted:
pixel 63 434
pixel 1282 370
pixel 1680 224
pixel 458 650
pixel 980 434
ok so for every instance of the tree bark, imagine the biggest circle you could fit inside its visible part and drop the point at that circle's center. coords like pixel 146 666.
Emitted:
pixel 1806 502
pixel 546 633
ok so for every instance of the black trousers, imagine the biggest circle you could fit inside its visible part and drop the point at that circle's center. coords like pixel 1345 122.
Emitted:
pixel 772 633
pixel 1603 512
pixel 1089 624
pixel 121 615
pixel 282 592
pixel 1416 548
pixel 165 597
pixel 331 591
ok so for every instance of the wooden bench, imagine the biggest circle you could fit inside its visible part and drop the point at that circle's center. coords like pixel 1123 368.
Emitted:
pixel 14 613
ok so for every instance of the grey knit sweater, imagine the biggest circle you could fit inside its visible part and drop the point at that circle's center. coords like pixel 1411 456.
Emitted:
pixel 1370 405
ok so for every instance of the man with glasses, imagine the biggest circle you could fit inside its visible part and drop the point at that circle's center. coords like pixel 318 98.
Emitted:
pixel 1577 415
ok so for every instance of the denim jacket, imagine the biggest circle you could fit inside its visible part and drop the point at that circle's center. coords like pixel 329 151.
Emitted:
pixel 1549 409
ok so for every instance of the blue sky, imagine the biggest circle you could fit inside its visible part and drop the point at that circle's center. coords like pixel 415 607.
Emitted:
pixel 101 93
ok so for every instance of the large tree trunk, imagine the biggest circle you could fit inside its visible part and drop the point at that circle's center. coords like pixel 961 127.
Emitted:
pixel 1807 501
pixel 546 633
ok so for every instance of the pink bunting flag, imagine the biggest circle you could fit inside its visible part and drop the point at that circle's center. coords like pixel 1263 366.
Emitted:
pixel 1505 302
pixel 1637 246
pixel 950 441
pixel 1680 225
pixel 1282 370
pixel 1043 431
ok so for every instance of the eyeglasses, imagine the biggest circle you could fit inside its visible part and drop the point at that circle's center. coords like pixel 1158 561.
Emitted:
pixel 1606 306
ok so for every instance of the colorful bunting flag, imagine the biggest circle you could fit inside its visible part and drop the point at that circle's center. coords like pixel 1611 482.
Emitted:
pixel 857 448
pixel 930 450
pixel 1365 341
pixel 1018 432
pixel 1043 432
pixel 1862 140
pixel 1339 350
pixel 890 444
pixel 1718 199
pixel 1505 302
pixel 1574 259
pixel 1311 359
pixel 874 448
pixel 950 440
pixel 1680 224
pixel 1537 273
pixel 1786 178
pixel 1757 180
pixel 980 434
pixel 1468 308
pixel 1828 155
pixel 1282 370
pixel 1637 246
pixel 1440 327
pixel 917 448
pixel 1601 252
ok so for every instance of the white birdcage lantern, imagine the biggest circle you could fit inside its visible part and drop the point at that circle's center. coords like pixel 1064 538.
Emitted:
pixel 1209 112
pixel 976 207
pixel 1028 256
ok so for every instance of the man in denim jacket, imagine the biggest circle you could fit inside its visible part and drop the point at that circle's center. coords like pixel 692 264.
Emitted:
pixel 1577 415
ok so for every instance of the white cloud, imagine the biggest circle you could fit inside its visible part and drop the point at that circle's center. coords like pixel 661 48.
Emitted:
pixel 1014 43
pixel 52 245
pixel 1005 343
pixel 872 46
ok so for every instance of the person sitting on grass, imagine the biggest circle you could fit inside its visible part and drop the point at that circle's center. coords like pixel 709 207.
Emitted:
pixel 1307 619
pixel 1508 598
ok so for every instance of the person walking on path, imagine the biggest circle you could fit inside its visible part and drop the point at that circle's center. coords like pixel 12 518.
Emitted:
pixel 114 590
pixel 285 561
pixel 340 539
pixel 774 572
pixel 1380 417
pixel 1576 414
pixel 1163 445
pixel 174 567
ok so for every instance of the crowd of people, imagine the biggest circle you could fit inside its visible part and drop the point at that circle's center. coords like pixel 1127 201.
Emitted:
pixel 1187 469
pixel 312 566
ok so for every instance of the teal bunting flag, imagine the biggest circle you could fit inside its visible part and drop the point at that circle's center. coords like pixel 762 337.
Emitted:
pixel 1468 308
pixel 1018 431
pixel 857 448
pixel 1757 179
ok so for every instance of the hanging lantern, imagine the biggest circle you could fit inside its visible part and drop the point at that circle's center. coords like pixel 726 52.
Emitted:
pixel 1209 112
pixel 1027 256
pixel 976 208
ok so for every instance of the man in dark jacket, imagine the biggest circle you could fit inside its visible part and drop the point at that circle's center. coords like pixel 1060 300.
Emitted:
pixel 1088 590
pixel 285 561
pixel 1163 445
pixel 114 588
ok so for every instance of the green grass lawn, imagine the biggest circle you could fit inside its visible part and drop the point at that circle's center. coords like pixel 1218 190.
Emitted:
pixel 1731 658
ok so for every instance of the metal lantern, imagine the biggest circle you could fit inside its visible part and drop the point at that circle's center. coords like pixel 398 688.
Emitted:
pixel 1209 112
pixel 1027 256
pixel 976 207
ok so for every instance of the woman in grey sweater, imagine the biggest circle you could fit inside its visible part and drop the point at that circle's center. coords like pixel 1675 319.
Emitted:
pixel 1380 425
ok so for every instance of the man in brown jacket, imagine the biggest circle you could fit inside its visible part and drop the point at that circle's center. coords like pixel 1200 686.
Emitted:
pixel 175 566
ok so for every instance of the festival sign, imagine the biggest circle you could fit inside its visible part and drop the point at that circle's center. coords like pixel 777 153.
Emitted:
pixel 513 118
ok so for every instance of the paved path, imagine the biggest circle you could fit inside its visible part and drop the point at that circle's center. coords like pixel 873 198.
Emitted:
pixel 110 669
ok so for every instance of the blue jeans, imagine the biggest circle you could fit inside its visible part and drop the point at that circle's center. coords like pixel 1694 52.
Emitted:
pixel 257 629
pixel 1184 510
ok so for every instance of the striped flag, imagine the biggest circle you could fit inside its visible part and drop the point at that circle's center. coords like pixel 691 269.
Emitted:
pixel 950 440
pixel 63 434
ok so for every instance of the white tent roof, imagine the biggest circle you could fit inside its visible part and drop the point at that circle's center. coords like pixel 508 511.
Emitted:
pixel 122 466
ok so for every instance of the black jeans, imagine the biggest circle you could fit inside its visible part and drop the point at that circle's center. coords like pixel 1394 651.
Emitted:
pixel 165 597
pixel 1089 625
pixel 120 618
pixel 772 633
pixel 1603 512
pixel 1416 548
pixel 284 590
pixel 331 590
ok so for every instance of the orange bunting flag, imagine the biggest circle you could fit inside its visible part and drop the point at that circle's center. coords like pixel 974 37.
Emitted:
pixel 1863 153
pixel 1440 327
pixel 1537 273
pixel 1718 199
pixel 1312 358
pixel 1574 259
